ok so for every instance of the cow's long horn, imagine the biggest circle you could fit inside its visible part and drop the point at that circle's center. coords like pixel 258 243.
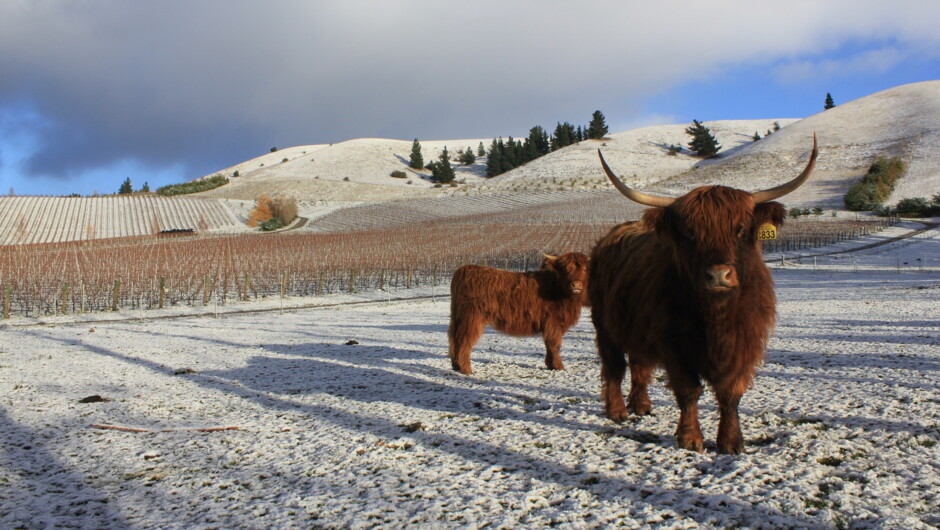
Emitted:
pixel 783 189
pixel 633 195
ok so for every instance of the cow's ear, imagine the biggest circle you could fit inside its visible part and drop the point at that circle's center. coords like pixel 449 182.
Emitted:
pixel 654 219
pixel 769 212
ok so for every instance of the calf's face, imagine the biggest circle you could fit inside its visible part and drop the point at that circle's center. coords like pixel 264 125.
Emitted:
pixel 572 271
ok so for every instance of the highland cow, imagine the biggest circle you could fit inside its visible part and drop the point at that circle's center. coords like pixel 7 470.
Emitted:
pixel 686 289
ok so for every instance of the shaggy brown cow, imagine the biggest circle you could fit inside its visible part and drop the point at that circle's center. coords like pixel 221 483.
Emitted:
pixel 686 289
pixel 546 301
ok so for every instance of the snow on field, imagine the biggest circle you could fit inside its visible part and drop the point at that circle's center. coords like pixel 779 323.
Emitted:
pixel 348 415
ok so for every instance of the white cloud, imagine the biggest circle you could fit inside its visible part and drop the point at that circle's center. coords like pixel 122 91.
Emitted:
pixel 211 80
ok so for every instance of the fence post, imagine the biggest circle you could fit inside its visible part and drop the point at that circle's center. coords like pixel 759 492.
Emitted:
pixel 408 284
pixel 114 297
pixel 382 280
pixel 247 279
pixel 352 281
pixel 162 292
pixel 205 291
pixel 284 284
pixel 6 301
pixel 320 284
pixel 65 299
pixel 434 277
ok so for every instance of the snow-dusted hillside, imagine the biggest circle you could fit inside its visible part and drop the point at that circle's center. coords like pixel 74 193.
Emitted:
pixel 902 121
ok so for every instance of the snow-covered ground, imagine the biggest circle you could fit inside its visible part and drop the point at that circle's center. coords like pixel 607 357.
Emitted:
pixel 841 427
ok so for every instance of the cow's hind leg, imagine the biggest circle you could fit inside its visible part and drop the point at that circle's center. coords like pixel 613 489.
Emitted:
pixel 613 369
pixel 638 402
pixel 463 334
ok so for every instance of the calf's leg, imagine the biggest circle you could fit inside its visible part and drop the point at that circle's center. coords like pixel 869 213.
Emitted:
pixel 552 340
pixel 463 334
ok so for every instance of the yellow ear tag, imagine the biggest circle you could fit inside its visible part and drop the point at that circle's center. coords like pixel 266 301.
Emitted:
pixel 767 231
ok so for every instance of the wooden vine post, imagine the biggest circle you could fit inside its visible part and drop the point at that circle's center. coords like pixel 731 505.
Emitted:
pixel 247 282
pixel 162 291
pixel 6 301
pixel 205 291
pixel 114 297
pixel 65 299
pixel 284 284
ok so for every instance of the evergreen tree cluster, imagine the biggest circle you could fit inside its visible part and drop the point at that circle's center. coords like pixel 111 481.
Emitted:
pixel 510 154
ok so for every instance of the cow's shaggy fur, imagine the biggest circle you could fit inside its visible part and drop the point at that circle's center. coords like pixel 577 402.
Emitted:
pixel 685 289
pixel 546 301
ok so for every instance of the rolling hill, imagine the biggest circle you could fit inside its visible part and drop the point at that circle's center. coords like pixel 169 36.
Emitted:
pixel 345 184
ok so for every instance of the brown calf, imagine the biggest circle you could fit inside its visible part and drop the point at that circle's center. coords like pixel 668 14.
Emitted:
pixel 546 301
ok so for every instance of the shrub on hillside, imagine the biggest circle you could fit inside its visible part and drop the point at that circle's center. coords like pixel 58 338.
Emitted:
pixel 195 186
pixel 919 206
pixel 272 213
pixel 398 174
pixel 875 187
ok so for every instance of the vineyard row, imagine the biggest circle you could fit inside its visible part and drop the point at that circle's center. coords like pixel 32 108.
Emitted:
pixel 150 273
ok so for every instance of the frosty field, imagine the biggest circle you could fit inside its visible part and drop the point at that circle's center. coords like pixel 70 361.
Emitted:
pixel 841 427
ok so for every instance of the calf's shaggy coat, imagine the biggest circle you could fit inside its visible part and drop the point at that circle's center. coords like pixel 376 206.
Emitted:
pixel 546 301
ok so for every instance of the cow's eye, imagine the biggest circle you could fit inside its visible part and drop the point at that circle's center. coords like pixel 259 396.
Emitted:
pixel 741 231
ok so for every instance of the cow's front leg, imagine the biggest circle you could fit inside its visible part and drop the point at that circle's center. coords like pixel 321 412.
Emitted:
pixel 553 350
pixel 687 388
pixel 730 440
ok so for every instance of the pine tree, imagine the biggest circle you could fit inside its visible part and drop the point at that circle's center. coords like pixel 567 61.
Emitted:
pixel 564 136
pixel 493 160
pixel 539 140
pixel 829 102
pixel 598 127
pixel 467 157
pixel 416 161
pixel 443 172
pixel 145 188
pixel 756 136
pixel 126 187
pixel 703 143
pixel 480 150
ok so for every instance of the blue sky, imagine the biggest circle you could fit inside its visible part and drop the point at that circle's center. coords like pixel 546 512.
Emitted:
pixel 97 91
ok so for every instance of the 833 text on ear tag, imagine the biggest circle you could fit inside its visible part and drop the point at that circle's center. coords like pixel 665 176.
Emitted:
pixel 767 232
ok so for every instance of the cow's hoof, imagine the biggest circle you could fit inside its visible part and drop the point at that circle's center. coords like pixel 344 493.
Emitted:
pixel 691 443
pixel 731 449
pixel 641 409
pixel 618 416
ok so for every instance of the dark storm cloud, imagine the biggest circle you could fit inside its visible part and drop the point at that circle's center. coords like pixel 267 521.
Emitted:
pixel 210 83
